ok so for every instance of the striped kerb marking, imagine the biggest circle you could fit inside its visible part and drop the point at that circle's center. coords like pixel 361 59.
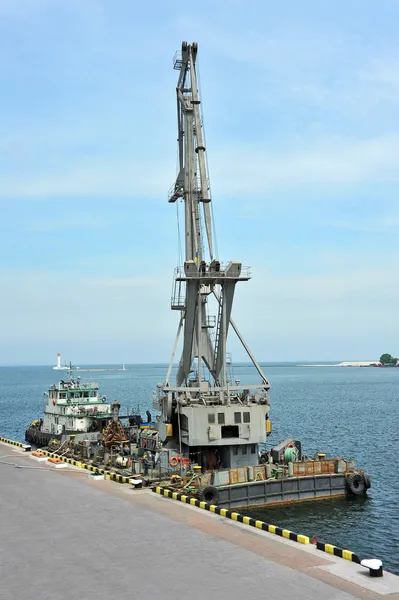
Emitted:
pixel 234 516
pixel 26 447
pixel 347 554
pixel 77 463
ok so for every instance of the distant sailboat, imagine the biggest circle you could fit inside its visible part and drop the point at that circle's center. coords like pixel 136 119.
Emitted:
pixel 59 367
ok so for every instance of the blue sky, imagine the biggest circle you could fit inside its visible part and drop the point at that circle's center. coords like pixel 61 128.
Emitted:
pixel 301 115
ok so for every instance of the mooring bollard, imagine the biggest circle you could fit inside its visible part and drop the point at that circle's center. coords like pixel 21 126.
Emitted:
pixel 374 565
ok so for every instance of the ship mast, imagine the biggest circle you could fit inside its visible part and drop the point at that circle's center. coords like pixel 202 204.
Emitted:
pixel 202 275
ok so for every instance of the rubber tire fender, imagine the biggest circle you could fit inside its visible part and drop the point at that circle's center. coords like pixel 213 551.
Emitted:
pixel 355 484
pixel 367 481
pixel 208 494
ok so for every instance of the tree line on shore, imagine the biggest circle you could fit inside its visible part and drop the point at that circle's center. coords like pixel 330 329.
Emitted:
pixel 388 359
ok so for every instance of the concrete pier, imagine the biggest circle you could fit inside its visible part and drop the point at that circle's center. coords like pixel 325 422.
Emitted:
pixel 65 536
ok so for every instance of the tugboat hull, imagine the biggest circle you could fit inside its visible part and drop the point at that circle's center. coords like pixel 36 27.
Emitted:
pixel 38 438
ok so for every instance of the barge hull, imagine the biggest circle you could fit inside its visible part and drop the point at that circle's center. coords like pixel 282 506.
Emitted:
pixel 281 491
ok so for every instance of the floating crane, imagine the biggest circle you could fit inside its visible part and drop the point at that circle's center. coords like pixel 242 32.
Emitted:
pixel 201 411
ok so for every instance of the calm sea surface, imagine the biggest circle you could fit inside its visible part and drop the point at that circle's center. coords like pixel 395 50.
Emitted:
pixel 350 412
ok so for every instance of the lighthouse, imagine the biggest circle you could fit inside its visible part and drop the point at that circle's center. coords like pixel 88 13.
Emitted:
pixel 58 367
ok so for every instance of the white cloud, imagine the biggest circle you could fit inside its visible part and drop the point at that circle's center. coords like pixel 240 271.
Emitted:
pixel 112 177
pixel 388 223
pixel 348 313
pixel 294 76
pixel 333 163
pixel 50 306
pixel 129 161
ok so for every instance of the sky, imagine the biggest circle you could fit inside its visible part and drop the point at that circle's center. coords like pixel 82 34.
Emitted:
pixel 301 116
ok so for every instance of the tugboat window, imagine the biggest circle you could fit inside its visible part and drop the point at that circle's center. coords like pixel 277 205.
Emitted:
pixel 253 449
pixel 246 417
pixel 237 417
pixel 235 450
pixel 211 417
pixel 221 418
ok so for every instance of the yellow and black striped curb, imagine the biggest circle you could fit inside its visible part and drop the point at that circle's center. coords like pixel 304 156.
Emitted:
pixel 330 549
pixel 82 465
pixel 234 516
pixel 26 447
pixel 285 533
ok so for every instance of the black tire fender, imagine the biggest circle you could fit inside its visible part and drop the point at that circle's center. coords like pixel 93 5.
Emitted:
pixel 355 484
pixel 367 481
pixel 208 494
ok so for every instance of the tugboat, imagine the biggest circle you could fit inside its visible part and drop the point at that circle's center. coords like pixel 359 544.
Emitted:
pixel 74 407
pixel 211 425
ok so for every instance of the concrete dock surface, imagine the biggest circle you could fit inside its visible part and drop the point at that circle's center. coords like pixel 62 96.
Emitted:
pixel 65 536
